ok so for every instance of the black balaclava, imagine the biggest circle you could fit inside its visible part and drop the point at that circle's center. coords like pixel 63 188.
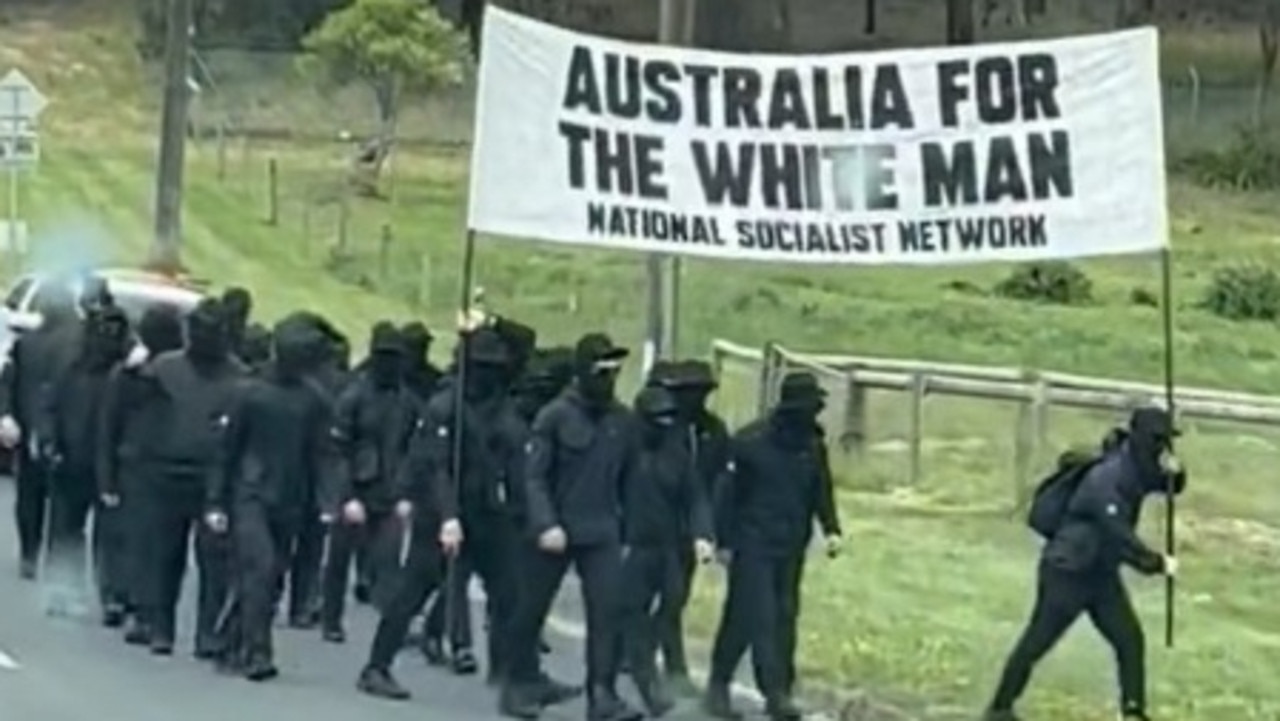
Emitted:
pixel 56 305
pixel 386 355
pixel 208 341
pixel 548 372
pixel 106 338
pixel 692 384
pixel 488 365
pixel 294 351
pixel 257 346
pixel 658 411
pixel 417 343
pixel 597 362
pixel 160 329
pixel 238 305
pixel 1151 434
pixel 795 418
pixel 95 295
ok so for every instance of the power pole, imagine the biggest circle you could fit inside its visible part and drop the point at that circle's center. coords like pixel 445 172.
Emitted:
pixel 675 27
pixel 166 248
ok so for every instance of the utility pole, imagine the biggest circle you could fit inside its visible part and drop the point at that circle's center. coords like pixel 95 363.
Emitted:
pixel 166 248
pixel 675 27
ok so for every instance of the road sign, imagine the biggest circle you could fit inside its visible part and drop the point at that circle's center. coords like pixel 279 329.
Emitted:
pixel 19 151
pixel 20 102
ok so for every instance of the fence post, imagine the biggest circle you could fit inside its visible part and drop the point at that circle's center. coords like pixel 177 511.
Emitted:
pixel 384 253
pixel 222 151
pixel 853 437
pixel 919 389
pixel 1195 95
pixel 273 191
pixel 1027 437
pixel 764 386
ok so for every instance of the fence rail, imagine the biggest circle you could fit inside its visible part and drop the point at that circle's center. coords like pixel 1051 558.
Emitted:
pixel 1034 392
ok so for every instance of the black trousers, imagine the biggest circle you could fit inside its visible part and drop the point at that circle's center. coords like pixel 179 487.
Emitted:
pixel 654 589
pixel 670 614
pixel 1061 598
pixel 130 519
pixel 304 550
pixel 761 610
pixel 173 513
pixel 485 553
pixel 29 505
pixel 111 564
pixel 71 498
pixel 262 542
pixel 452 598
pixel 599 568
pixel 368 546
pixel 407 589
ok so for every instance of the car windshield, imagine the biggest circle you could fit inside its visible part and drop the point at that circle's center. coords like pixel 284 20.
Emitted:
pixel 134 304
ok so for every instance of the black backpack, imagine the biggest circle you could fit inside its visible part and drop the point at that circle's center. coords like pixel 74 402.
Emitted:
pixel 1053 495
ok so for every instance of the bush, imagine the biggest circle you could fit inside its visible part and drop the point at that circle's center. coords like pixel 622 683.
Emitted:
pixel 1244 292
pixel 1054 282
pixel 1251 161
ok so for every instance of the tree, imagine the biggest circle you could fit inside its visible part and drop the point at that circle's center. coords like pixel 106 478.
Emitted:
pixel 395 48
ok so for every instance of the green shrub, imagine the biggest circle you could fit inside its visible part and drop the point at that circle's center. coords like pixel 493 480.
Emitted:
pixel 1244 292
pixel 1055 282
pixel 1251 161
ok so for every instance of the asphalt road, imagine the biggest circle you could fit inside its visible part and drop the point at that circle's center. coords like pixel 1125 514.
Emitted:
pixel 74 670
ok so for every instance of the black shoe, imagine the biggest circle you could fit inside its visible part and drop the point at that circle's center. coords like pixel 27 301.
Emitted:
pixel 553 693
pixel 603 704
pixel 113 615
pixel 657 701
pixel 161 646
pixel 782 708
pixel 717 703
pixel 303 621
pixel 433 651
pixel 27 570
pixel 381 684
pixel 260 670
pixel 464 662
pixel 520 701
pixel 137 633
pixel 333 634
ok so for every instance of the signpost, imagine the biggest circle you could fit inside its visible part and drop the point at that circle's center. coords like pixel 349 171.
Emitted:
pixel 20 107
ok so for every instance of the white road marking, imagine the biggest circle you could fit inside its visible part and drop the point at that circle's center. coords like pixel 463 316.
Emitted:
pixel 8 662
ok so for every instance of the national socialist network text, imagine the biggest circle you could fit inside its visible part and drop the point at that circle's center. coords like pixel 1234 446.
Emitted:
pixel 625 171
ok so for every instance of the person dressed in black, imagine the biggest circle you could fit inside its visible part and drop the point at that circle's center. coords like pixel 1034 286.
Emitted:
pixel 777 482
pixel 186 396
pixel 70 435
pixel 275 451
pixel 582 452
pixel 373 422
pixel 706 439
pixel 255 347
pixel 664 507
pixel 238 304
pixel 420 376
pixel 37 357
pixel 123 437
pixel 1079 569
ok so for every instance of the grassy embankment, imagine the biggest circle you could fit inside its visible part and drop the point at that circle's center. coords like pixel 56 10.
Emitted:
pixel 925 603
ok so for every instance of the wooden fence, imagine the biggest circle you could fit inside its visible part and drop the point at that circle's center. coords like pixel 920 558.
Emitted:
pixel 1033 391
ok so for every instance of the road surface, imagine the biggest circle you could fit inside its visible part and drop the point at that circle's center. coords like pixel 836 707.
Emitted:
pixel 74 670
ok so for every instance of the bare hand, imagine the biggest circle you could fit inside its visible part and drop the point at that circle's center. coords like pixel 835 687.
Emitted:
pixel 704 551
pixel 110 500
pixel 451 536
pixel 553 540
pixel 216 521
pixel 404 510
pixel 353 512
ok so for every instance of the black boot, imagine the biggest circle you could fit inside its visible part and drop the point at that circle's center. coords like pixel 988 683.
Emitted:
pixel 137 633
pixel 113 615
pixel 260 669
pixel 433 651
pixel 334 634
pixel 603 704
pixel 782 708
pixel 718 704
pixel 161 645
pixel 520 701
pixel 27 569
pixel 464 662
pixel 381 684
pixel 363 592
pixel 553 693
pixel 657 701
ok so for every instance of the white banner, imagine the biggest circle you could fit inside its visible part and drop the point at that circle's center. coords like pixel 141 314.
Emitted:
pixel 1010 152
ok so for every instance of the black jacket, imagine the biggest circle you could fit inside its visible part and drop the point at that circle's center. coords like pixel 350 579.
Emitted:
pixel 71 425
pixel 36 358
pixel 576 467
pixel 371 430
pixel 277 449
pixel 665 502
pixel 1098 534
pixel 770 494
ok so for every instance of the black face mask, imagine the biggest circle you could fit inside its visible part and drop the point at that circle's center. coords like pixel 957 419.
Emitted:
pixel 385 368
pixel 292 361
pixel 598 386
pixel 484 380
pixel 657 429
pixel 692 401
pixel 797 426
pixel 1147 449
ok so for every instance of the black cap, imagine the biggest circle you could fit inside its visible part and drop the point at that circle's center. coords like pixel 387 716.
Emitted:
pixel 1152 422
pixel 695 374
pixel 663 374
pixel 800 390
pixel 594 348
pixel 485 347
pixel 385 338
pixel 417 332
pixel 654 402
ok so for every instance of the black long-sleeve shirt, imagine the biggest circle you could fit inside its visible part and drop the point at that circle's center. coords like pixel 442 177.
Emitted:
pixel 665 502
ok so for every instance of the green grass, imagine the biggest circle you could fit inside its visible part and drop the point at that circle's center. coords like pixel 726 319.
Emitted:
pixel 927 599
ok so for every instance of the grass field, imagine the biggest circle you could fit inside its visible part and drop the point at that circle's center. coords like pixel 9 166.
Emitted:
pixel 926 601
